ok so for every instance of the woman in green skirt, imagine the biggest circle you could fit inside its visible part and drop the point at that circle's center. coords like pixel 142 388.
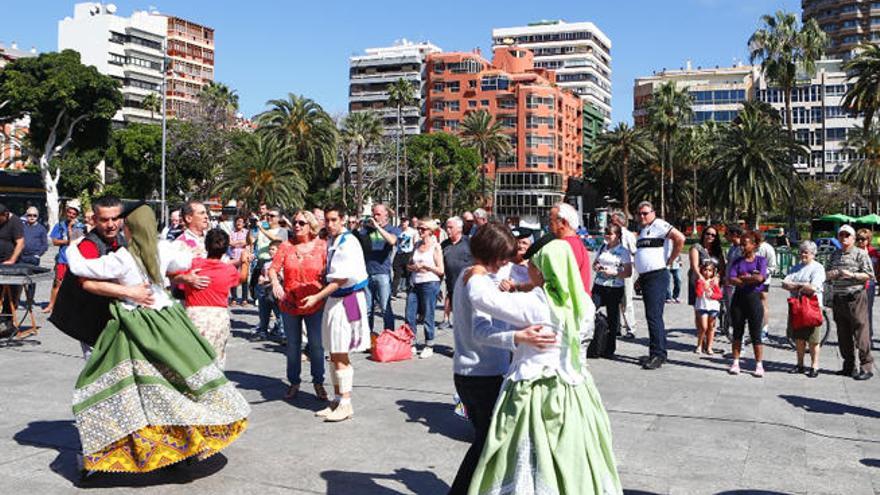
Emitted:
pixel 550 433
pixel 152 393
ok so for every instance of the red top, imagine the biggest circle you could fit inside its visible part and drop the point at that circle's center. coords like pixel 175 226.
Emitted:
pixel 712 287
pixel 582 256
pixel 223 276
pixel 302 273
pixel 89 251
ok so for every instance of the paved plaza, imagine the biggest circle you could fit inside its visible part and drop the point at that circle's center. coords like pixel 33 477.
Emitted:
pixel 688 428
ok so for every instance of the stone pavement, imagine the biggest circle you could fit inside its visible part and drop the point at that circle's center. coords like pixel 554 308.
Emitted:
pixel 688 428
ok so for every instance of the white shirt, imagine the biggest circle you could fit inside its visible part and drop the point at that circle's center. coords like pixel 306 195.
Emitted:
pixel 121 267
pixel 812 273
pixel 767 251
pixel 628 239
pixel 425 258
pixel 613 260
pixel 345 260
pixel 651 250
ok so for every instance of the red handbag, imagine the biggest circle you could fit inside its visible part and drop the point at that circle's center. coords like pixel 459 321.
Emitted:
pixel 804 312
pixel 394 345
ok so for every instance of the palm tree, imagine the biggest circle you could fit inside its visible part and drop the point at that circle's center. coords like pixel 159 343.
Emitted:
pixel 668 112
pixel 153 103
pixel 220 102
pixel 308 129
pixel 753 162
pixel 863 94
pixel 401 94
pixel 864 172
pixel 618 149
pixel 695 150
pixel 262 170
pixel 487 138
pixel 363 130
pixel 783 50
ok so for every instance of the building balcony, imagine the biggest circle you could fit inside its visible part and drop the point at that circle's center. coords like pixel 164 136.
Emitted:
pixel 387 77
pixel 369 96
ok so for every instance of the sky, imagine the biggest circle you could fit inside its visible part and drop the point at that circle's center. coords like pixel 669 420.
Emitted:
pixel 266 49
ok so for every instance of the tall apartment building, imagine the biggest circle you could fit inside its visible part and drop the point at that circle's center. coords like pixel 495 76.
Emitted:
pixel 133 50
pixel 129 49
pixel 190 49
pixel 12 133
pixel 579 52
pixel 818 118
pixel 847 23
pixel 543 121
pixel 370 75
pixel 717 93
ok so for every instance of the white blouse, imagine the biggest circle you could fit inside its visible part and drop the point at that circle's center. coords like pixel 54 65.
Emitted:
pixel 345 260
pixel 519 310
pixel 120 267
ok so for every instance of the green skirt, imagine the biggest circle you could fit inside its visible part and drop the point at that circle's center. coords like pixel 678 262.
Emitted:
pixel 152 394
pixel 548 437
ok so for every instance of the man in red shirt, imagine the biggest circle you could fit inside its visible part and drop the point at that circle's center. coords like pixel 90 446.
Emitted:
pixel 564 222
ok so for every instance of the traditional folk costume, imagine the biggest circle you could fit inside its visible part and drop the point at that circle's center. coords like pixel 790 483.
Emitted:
pixel 550 433
pixel 208 308
pixel 151 394
pixel 344 324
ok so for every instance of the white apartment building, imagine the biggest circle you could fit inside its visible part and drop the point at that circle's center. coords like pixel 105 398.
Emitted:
pixel 129 49
pixel 579 52
pixel 371 74
pixel 818 118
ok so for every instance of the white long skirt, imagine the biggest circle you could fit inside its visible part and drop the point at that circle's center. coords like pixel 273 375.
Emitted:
pixel 341 335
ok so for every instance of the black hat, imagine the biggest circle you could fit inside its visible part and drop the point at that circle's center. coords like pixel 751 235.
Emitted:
pixel 540 243
pixel 129 209
pixel 521 232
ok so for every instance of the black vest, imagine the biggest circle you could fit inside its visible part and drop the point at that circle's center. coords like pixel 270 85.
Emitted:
pixel 78 313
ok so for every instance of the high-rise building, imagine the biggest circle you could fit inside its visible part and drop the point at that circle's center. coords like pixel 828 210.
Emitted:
pixel 129 49
pixel 13 133
pixel 818 118
pixel 372 73
pixel 542 120
pixel 847 23
pixel 579 52
pixel 190 48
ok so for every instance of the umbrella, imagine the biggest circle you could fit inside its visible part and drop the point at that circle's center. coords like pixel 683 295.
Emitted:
pixel 838 218
pixel 872 219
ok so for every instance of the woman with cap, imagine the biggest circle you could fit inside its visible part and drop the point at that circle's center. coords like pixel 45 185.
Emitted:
pixel 151 394
pixel 549 432
pixel 426 271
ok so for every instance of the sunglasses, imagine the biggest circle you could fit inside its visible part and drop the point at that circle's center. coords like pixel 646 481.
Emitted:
pixel 29 215
pixel 301 223
pixel 272 215
pixel 711 234
pixel 422 229
pixel 645 213
pixel 861 239
pixel 843 234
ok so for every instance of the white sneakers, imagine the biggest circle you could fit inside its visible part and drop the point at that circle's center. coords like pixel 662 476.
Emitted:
pixel 426 353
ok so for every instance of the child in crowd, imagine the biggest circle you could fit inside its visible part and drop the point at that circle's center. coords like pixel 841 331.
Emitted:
pixel 208 307
pixel 707 305
pixel 266 300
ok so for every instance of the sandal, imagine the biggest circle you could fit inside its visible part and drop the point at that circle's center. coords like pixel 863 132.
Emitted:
pixel 320 391
pixel 291 392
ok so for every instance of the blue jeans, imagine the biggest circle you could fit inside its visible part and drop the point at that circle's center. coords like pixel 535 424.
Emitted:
pixel 378 292
pixel 654 287
pixel 293 326
pixel 266 307
pixel 673 289
pixel 422 298
pixel 32 288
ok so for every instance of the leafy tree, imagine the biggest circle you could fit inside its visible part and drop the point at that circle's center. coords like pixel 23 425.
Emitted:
pixel 136 155
pixel 695 152
pixel 863 172
pixel 863 95
pixel 821 197
pixel 78 172
pixel 196 154
pixel 439 159
pixel 362 130
pixel 152 103
pixel 402 93
pixel 478 131
pixel 617 150
pixel 69 104
pixel 668 112
pixel 262 168
pixel 753 163
pixel 218 104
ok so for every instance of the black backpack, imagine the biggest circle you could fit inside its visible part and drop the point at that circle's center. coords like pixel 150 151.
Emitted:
pixel 601 337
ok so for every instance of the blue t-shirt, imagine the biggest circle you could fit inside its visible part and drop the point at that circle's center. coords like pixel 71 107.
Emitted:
pixel 742 267
pixel 378 257
pixel 59 231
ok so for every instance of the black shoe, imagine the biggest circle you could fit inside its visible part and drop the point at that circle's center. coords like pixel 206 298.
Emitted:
pixel 862 376
pixel 629 336
pixel 653 363
pixel 813 373
pixel 796 370
pixel 644 359
pixel 845 372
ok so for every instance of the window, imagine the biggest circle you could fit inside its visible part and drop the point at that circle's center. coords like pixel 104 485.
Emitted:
pixel 466 66
pixel 453 86
pixel 437 125
pixel 452 124
pixel 439 67
pixel 472 103
pixel 117 59
pixel 534 101
pixel 438 106
pixel 533 122
pixel 453 106
pixel 472 84
pixel 494 83
pixel 533 140
pixel 835 90
pixel 438 86
pixel 137 83
pixel 142 62
pixel 835 134
pixel 508 122
pixel 506 103
pixel 485 103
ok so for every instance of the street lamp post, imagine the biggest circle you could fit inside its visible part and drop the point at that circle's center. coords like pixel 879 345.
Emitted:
pixel 164 130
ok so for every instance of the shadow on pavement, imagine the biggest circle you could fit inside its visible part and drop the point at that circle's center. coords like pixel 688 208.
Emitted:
pixel 270 388
pixel 828 407
pixel 875 463
pixel 751 492
pixel 62 437
pixel 438 417
pixel 344 482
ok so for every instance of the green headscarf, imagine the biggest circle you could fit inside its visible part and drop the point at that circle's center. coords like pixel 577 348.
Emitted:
pixel 141 223
pixel 569 302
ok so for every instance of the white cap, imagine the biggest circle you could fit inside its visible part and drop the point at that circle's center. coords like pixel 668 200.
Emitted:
pixel 846 228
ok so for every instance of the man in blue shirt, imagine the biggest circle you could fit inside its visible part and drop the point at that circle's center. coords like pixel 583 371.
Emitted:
pixel 66 230
pixel 35 243
pixel 380 238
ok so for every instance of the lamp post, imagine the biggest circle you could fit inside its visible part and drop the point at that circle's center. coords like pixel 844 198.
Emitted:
pixel 164 128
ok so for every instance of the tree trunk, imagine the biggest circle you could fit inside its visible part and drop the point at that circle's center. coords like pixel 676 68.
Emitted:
pixel 694 212
pixel 405 182
pixel 663 185
pixel 449 193
pixel 625 186
pixel 51 184
pixel 397 172
pixel 359 187
pixel 792 223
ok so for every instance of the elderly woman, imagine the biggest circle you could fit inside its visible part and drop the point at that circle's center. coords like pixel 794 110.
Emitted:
pixel 300 263
pixel 806 278
pixel 426 271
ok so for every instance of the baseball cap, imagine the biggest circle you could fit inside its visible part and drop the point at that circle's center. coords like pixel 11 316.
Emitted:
pixel 846 228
